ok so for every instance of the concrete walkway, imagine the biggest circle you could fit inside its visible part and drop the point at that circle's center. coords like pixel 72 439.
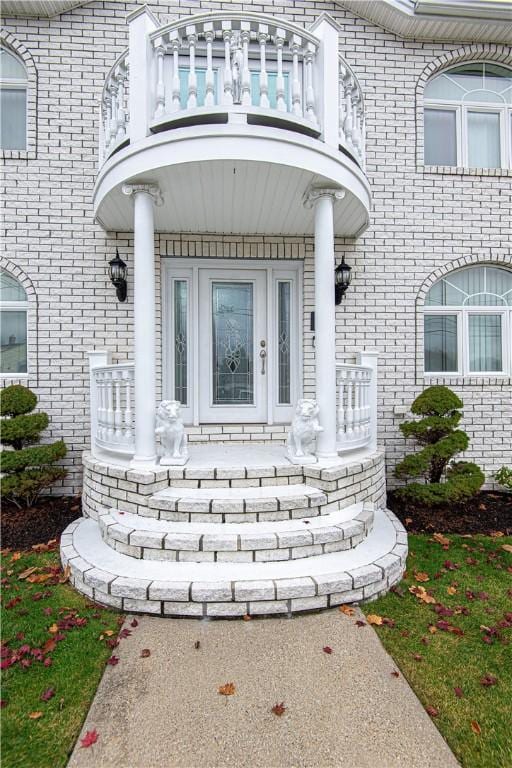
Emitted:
pixel 342 709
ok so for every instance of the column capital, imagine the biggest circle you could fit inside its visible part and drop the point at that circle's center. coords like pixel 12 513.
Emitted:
pixel 312 194
pixel 153 190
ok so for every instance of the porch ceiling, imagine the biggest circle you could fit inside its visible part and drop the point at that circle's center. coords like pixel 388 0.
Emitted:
pixel 234 198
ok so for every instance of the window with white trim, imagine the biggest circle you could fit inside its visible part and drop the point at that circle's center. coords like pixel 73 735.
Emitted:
pixel 468 117
pixel 13 326
pixel 13 101
pixel 468 323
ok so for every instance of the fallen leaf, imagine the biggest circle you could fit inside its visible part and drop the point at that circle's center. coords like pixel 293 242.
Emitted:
pixel 39 578
pixel 441 539
pixel 496 534
pixel 15 556
pixel 488 680
pixel 279 709
pixel 3 703
pixel 475 728
pixel 134 623
pixel 27 572
pixel 451 591
pixel 420 576
pixel 373 618
pixel 197 645
pixel 507 547
pixel 66 573
pixel 35 715
pixel 347 610
pixel 113 661
pixel 395 673
pixel 48 694
pixel 327 649
pixel 246 617
pixel 417 657
pixel 145 653
pixel 422 594
pixel 360 623
pixel 227 690
pixel 90 738
pixel 432 711
pixel 458 692
pixel 54 628
pixel 108 632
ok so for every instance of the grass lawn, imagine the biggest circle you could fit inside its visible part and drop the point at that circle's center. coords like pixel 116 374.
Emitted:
pixel 36 613
pixel 456 652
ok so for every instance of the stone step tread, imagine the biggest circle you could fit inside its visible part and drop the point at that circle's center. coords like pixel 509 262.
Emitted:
pixel 231 494
pixel 83 547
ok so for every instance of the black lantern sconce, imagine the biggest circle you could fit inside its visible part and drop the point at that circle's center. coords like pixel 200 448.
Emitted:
pixel 342 278
pixel 117 272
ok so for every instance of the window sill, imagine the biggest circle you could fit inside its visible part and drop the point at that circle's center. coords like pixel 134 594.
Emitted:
pixel 14 376
pixel 487 379
pixel 451 170
pixel 18 154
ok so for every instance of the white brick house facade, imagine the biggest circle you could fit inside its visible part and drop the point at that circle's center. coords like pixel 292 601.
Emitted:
pixel 425 221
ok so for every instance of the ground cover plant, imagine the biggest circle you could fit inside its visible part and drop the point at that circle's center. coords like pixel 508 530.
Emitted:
pixel 54 650
pixel 448 626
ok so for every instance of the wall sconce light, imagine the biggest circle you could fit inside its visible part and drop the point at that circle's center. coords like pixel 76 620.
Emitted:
pixel 117 272
pixel 342 278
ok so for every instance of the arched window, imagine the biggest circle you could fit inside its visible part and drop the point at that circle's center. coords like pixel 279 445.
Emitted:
pixel 13 325
pixel 13 101
pixel 468 117
pixel 468 323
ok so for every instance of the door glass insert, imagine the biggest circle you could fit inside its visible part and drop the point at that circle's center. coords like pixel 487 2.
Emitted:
pixel 232 343
pixel 180 341
pixel 283 341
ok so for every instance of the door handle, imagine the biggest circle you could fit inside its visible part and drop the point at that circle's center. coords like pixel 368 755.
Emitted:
pixel 263 356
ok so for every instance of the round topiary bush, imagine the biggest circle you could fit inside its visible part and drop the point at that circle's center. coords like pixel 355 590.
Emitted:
pixel 27 469
pixel 443 480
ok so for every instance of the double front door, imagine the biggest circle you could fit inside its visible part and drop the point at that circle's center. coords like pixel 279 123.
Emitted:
pixel 231 340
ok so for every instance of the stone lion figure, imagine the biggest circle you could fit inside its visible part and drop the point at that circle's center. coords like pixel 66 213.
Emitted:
pixel 303 432
pixel 169 427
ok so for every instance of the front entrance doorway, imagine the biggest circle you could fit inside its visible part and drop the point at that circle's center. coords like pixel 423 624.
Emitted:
pixel 231 340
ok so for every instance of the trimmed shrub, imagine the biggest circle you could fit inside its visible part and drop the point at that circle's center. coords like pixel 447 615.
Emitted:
pixel 444 480
pixel 504 477
pixel 27 469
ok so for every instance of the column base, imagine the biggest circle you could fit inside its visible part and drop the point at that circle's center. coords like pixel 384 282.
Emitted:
pixel 143 462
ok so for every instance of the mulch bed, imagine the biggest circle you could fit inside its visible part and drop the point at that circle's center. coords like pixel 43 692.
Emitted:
pixel 487 513
pixel 21 528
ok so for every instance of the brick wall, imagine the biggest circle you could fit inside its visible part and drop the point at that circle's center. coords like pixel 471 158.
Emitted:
pixel 424 220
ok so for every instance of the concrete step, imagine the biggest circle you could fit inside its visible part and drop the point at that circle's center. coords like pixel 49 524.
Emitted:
pixel 234 589
pixel 235 505
pixel 155 539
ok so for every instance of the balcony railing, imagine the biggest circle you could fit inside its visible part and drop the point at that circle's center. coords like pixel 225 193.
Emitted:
pixel 202 68
pixel 354 406
pixel 112 408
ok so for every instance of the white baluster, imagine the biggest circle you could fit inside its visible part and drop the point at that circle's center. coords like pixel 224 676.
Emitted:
pixel 262 38
pixel 109 407
pixel 280 90
pixel 356 134
pixel 357 404
pixel 176 85
pixel 246 75
pixel 98 377
pixel 341 407
pixel 128 416
pixel 349 417
pixel 209 99
pixel 108 116
pixel 348 125
pixel 118 416
pixel 121 111
pixel 192 78
pixel 295 44
pixel 310 91
pixel 160 87
pixel 228 75
pixel 113 121
pixel 343 111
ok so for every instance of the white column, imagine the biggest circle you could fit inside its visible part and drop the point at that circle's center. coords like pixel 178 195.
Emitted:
pixel 325 316
pixel 369 357
pixel 144 319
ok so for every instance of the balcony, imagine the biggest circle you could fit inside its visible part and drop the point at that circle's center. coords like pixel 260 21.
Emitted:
pixel 234 116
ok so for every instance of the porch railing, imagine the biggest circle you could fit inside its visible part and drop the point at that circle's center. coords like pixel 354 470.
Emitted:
pixel 356 408
pixel 112 407
pixel 199 68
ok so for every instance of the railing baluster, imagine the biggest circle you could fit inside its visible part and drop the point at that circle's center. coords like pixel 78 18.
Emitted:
pixel 121 112
pixel 175 43
pixel 262 38
pixel 209 99
pixel 192 77
pixel 309 57
pixel 280 91
pixel 350 410
pixel 109 406
pixel 228 75
pixel 245 35
pixel 348 125
pixel 128 418
pixel 118 417
pixel 341 407
pixel 357 404
pixel 295 44
pixel 160 86
pixel 113 121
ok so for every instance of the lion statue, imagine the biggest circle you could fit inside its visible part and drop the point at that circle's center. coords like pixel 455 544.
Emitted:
pixel 170 429
pixel 303 432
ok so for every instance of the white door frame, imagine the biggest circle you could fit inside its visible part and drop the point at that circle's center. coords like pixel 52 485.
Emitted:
pixel 188 269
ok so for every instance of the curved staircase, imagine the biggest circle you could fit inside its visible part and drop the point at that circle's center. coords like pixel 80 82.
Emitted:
pixel 241 537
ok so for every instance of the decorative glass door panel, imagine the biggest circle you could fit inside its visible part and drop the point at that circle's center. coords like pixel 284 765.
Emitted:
pixel 233 343
pixel 232 337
